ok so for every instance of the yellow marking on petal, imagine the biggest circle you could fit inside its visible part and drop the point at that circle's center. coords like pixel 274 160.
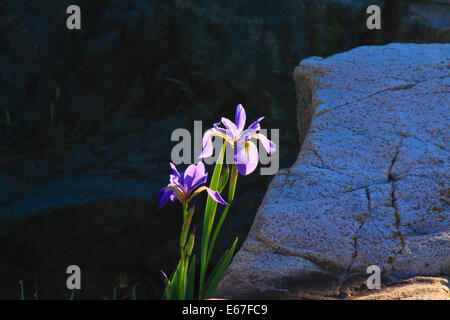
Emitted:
pixel 196 192
pixel 180 194
pixel 177 190
pixel 247 147
pixel 223 136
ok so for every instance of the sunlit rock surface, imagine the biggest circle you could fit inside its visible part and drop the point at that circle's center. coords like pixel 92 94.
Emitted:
pixel 371 182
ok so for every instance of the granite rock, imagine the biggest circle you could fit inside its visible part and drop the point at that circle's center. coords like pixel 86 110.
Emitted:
pixel 371 182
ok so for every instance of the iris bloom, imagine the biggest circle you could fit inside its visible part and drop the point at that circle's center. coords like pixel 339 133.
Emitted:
pixel 246 155
pixel 182 185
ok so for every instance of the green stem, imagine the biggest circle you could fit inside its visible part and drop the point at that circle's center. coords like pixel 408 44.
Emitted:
pixel 182 282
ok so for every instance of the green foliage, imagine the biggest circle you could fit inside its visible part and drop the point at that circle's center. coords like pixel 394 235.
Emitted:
pixel 210 212
pixel 191 280
pixel 379 37
pixel 218 272
pixel 133 293
pixel 22 296
pixel 61 136
pixel 9 132
pixel 52 136
pixel 181 284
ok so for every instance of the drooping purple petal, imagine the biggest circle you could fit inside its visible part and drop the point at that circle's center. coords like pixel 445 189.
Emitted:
pixel 246 157
pixel 208 148
pixel 216 196
pixel 240 117
pixel 267 144
pixel 164 195
pixel 207 151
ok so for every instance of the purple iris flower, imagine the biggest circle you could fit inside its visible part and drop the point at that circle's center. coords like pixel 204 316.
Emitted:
pixel 246 155
pixel 182 185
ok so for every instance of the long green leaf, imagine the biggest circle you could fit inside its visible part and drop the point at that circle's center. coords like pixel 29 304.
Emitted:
pixel 22 296
pixel 175 283
pixel 224 179
pixel 190 245
pixel 167 295
pixel 181 281
pixel 216 232
pixel 191 280
pixel 216 268
pixel 219 271
pixel 168 290
pixel 208 220
pixel 133 293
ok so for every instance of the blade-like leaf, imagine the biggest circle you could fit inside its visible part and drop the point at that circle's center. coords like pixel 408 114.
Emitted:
pixel 190 245
pixel 191 280
pixel 210 211
pixel 168 292
pixel 22 297
pixel 167 295
pixel 175 284
pixel 57 93
pixel 224 179
pixel 219 271
pixel 133 293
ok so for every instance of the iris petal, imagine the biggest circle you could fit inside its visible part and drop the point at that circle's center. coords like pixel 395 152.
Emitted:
pixel 199 177
pixel 231 127
pixel 189 175
pixel 208 150
pixel 216 196
pixel 164 195
pixel 199 182
pixel 255 125
pixel 240 117
pixel 173 197
pixel 174 169
pixel 267 144
pixel 246 157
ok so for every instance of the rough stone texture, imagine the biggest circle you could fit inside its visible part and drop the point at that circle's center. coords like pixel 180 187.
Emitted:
pixel 371 182
pixel 417 288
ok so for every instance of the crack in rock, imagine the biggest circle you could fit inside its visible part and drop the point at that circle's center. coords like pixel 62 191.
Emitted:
pixel 403 86
pixel 394 205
